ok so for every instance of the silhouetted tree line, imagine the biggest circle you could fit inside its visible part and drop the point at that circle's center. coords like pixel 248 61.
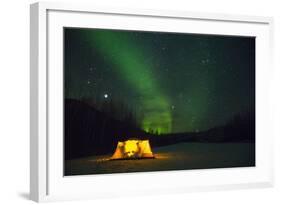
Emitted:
pixel 94 129
pixel 88 130
pixel 115 109
pixel 241 128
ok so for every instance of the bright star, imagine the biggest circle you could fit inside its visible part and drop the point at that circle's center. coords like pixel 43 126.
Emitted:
pixel 105 95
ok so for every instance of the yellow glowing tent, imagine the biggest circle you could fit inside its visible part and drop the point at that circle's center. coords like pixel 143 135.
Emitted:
pixel 133 149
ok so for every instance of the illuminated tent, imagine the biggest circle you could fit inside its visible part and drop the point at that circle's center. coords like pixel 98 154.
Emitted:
pixel 133 149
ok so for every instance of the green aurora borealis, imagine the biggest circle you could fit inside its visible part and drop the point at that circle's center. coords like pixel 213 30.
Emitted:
pixel 174 82
pixel 135 73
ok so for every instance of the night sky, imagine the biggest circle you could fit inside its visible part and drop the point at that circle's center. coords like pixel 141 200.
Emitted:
pixel 173 82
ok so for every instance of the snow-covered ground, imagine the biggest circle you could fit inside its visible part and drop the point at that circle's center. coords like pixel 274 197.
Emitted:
pixel 174 157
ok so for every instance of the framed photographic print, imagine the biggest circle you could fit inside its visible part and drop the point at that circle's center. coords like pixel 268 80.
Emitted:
pixel 174 99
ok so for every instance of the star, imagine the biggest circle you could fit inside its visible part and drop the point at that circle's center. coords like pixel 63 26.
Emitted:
pixel 192 119
pixel 105 95
pixel 88 82
pixel 205 61
pixel 180 95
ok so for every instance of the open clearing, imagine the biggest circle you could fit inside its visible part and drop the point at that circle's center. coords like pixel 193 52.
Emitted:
pixel 181 156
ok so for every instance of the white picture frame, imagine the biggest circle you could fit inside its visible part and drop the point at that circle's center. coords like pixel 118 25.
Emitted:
pixel 47 182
